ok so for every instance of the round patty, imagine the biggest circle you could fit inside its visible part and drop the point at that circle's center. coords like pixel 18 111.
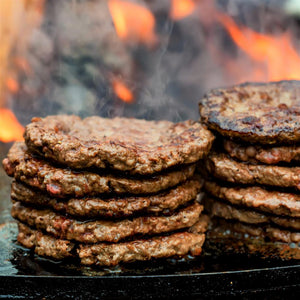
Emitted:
pixel 267 242
pixel 275 202
pixel 265 113
pixel 104 254
pixel 102 230
pixel 262 154
pixel 112 207
pixel 225 168
pixel 138 146
pixel 63 182
pixel 249 216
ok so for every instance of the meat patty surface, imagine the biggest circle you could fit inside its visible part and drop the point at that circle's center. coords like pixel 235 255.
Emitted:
pixel 227 169
pixel 112 207
pixel 105 254
pixel 265 113
pixel 262 154
pixel 249 216
pixel 63 227
pixel 64 182
pixel 137 146
pixel 278 203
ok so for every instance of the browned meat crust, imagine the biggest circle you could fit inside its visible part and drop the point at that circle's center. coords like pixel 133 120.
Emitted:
pixel 262 154
pixel 275 202
pixel 101 230
pixel 44 245
pixel 104 254
pixel 267 242
pixel 249 216
pixel 115 207
pixel 138 146
pixel 225 168
pixel 255 112
pixel 59 182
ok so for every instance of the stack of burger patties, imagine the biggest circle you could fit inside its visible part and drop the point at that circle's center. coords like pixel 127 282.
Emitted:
pixel 254 185
pixel 108 191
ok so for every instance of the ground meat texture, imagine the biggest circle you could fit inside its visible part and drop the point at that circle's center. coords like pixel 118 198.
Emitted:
pixel 105 254
pixel 63 182
pixel 137 146
pixel 267 242
pixel 249 216
pixel 275 202
pixel 99 231
pixel 264 113
pixel 222 167
pixel 262 154
pixel 115 207
pixel 44 245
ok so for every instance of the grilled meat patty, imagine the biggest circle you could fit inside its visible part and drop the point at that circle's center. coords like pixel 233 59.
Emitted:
pixel 137 146
pixel 64 182
pixel 227 169
pixel 265 113
pixel 275 202
pixel 262 154
pixel 112 207
pixel 63 227
pixel 105 254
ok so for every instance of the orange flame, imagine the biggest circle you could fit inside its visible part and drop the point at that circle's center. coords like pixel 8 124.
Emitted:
pixel 10 128
pixel 133 22
pixel 122 91
pixel 12 84
pixel 275 57
pixel 181 8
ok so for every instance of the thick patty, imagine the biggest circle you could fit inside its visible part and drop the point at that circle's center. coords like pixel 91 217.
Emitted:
pixel 275 202
pixel 221 166
pixel 104 254
pixel 265 113
pixel 112 207
pixel 63 182
pixel 249 216
pixel 268 242
pixel 137 146
pixel 262 154
pixel 103 230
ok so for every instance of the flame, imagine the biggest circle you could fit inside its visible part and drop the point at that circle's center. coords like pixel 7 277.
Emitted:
pixel 181 8
pixel 10 128
pixel 12 84
pixel 122 91
pixel 275 57
pixel 133 22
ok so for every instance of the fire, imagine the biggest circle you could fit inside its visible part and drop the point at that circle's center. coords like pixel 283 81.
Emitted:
pixel 12 84
pixel 10 128
pixel 133 22
pixel 275 57
pixel 181 8
pixel 122 91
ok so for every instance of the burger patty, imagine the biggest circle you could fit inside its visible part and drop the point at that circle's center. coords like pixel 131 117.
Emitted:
pixel 225 168
pixel 102 230
pixel 104 254
pixel 63 182
pixel 262 154
pixel 236 238
pixel 113 207
pixel 138 146
pixel 249 216
pixel 265 113
pixel 275 202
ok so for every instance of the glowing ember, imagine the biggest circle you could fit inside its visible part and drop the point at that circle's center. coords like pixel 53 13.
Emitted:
pixel 133 22
pixel 12 84
pixel 10 128
pixel 274 57
pixel 122 91
pixel 181 8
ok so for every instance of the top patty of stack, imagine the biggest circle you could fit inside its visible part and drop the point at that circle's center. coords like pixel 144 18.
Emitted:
pixel 137 146
pixel 257 113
